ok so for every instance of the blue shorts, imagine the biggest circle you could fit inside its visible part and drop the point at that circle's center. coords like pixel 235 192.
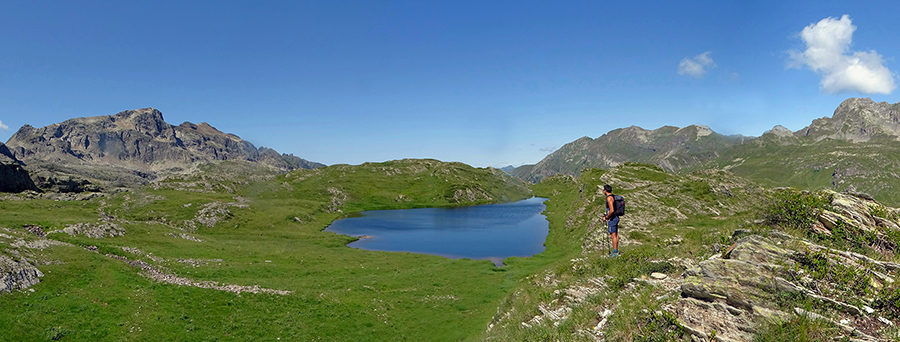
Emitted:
pixel 613 225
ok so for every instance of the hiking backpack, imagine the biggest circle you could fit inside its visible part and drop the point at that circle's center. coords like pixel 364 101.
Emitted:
pixel 618 205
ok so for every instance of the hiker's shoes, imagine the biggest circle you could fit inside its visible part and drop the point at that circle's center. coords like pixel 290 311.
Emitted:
pixel 613 254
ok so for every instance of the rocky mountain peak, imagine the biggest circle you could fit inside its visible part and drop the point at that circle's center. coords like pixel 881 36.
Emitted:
pixel 846 109
pixel 858 120
pixel 780 132
pixel 136 144
pixel 695 131
pixel 143 114
pixel 205 129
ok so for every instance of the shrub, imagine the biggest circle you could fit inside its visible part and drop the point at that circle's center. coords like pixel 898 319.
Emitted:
pixel 659 326
pixel 888 301
pixel 798 329
pixel 793 209
pixel 836 279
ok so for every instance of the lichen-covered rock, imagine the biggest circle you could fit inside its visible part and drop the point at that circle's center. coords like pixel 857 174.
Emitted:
pixel 831 219
pixel 855 209
pixel 702 318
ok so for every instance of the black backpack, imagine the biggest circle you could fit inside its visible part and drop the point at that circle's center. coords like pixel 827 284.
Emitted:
pixel 618 205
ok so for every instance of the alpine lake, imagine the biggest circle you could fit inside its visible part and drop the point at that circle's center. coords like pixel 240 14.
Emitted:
pixel 491 231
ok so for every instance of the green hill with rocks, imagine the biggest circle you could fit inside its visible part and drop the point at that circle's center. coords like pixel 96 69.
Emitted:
pixel 710 256
pixel 221 254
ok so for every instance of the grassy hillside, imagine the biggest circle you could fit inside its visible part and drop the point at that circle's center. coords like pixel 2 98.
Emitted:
pixel 231 235
pixel 220 255
pixel 838 165
pixel 710 256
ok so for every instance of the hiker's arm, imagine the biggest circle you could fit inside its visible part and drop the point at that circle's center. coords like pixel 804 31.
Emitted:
pixel 609 204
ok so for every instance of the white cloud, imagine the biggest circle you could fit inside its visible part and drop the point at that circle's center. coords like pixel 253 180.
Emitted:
pixel 2 126
pixel 828 53
pixel 696 67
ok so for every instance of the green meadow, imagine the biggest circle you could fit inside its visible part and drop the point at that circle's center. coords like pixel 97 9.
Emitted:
pixel 264 231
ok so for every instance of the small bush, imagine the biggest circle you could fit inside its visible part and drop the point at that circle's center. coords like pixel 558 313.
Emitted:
pixel 798 329
pixel 793 209
pixel 836 279
pixel 659 326
pixel 888 301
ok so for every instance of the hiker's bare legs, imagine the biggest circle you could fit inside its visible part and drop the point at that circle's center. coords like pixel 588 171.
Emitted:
pixel 615 240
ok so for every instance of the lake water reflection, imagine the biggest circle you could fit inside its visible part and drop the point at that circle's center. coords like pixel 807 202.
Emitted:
pixel 493 231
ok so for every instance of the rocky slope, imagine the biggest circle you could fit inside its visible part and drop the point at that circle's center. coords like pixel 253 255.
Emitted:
pixel 130 147
pixel 727 295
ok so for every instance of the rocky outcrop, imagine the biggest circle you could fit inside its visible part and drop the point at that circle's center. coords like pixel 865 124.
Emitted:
pixel 96 230
pixel 20 253
pixel 727 295
pixel 470 195
pixel 131 147
pixel 13 177
pixel 16 275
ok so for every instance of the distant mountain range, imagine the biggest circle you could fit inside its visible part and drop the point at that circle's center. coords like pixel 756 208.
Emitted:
pixel 857 149
pixel 131 147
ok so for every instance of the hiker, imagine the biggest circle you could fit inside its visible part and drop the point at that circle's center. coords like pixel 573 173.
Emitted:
pixel 612 217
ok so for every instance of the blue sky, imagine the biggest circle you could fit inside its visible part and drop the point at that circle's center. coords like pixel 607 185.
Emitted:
pixel 487 83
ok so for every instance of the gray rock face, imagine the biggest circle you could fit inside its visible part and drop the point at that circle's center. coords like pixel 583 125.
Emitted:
pixel 857 120
pixel 13 178
pixel 15 275
pixel 130 147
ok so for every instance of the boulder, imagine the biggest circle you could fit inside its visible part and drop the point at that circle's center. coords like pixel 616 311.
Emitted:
pixel 831 219
pixel 856 209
